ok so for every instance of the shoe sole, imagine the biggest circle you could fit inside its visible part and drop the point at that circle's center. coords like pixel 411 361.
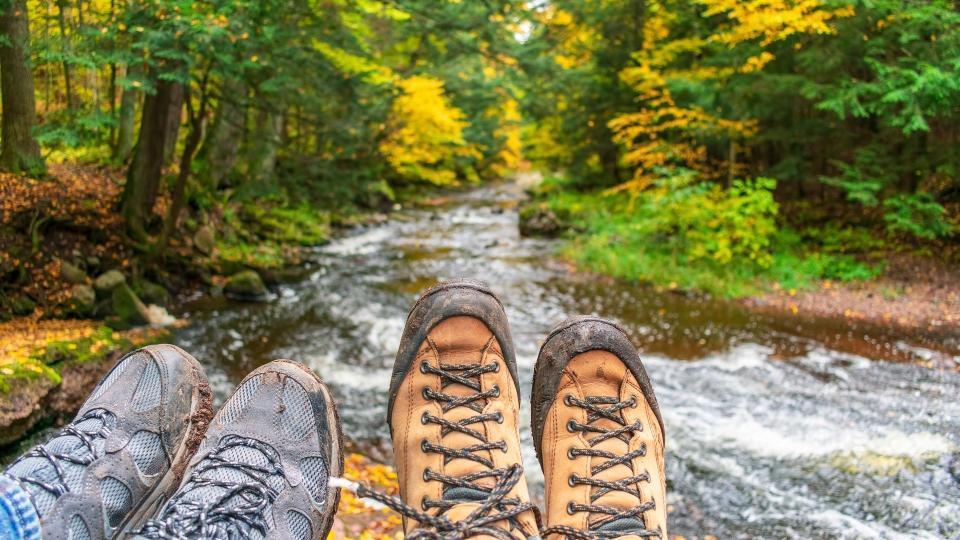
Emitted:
pixel 201 412
pixel 566 340
pixel 459 297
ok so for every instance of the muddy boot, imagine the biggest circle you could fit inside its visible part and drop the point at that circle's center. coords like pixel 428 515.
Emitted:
pixel 264 467
pixel 124 453
pixel 453 413
pixel 598 435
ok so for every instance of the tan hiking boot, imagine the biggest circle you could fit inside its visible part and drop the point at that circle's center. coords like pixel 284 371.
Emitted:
pixel 598 435
pixel 454 413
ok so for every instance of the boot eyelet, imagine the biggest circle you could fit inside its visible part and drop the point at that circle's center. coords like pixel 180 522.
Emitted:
pixel 570 481
pixel 425 392
pixel 634 402
pixel 570 509
pixel 499 417
pixel 423 446
pixel 570 454
pixel 423 366
pixel 496 367
pixel 423 503
pixel 496 390
pixel 568 400
pixel 426 474
pixel 423 418
pixel 571 425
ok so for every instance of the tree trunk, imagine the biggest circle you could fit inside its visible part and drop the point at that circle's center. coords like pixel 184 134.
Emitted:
pixel 172 131
pixel 265 157
pixel 222 145
pixel 67 72
pixel 20 150
pixel 186 161
pixel 143 177
pixel 128 109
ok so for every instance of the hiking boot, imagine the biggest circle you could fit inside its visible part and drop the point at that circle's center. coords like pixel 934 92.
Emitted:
pixel 107 471
pixel 453 414
pixel 263 469
pixel 598 434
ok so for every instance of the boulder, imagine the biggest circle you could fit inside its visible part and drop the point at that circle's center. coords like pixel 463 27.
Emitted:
pixel 83 299
pixel 128 310
pixel 539 220
pixel 151 293
pixel 108 281
pixel 204 239
pixel 245 285
pixel 22 305
pixel 72 273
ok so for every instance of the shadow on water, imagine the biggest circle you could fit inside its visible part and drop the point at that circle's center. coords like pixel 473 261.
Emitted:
pixel 777 426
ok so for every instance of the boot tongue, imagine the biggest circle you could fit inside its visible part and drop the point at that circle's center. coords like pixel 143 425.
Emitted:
pixel 624 526
pixel 464 495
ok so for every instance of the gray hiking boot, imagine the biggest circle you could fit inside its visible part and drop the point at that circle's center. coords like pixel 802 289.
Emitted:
pixel 263 468
pixel 110 469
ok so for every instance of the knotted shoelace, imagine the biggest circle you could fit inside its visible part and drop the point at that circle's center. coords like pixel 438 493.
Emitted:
pixel 495 506
pixel 237 510
pixel 83 455
pixel 481 521
pixel 605 407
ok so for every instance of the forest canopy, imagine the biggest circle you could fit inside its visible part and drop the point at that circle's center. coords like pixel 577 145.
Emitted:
pixel 717 132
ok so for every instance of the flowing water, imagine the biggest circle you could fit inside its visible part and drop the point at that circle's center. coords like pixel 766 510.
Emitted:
pixel 777 427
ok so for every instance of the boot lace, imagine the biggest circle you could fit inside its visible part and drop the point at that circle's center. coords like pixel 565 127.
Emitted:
pixel 494 505
pixel 83 455
pixel 217 503
pixel 605 407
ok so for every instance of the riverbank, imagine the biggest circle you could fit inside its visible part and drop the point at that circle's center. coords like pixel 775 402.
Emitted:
pixel 48 367
pixel 731 248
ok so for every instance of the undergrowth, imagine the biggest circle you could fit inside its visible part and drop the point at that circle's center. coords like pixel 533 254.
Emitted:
pixel 689 235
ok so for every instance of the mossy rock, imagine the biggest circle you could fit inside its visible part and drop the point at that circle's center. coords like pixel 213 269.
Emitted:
pixel 204 240
pixel 22 305
pixel 108 281
pixel 83 300
pixel 538 219
pixel 128 310
pixel 246 286
pixel 72 273
pixel 151 293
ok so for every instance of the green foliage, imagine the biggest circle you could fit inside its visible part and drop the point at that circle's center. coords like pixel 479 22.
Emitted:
pixel 695 235
pixel 916 214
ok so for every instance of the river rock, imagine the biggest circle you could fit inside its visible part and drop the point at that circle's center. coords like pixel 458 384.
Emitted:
pixel 128 310
pixel 72 273
pixel 22 305
pixel 245 285
pixel 150 292
pixel 538 219
pixel 82 299
pixel 204 240
pixel 107 281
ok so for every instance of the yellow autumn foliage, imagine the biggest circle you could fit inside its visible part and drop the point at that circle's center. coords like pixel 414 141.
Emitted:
pixel 425 133
pixel 664 133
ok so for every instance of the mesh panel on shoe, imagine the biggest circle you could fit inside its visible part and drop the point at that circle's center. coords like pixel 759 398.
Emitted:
pixel 117 500
pixel 146 449
pixel 113 376
pixel 147 394
pixel 78 529
pixel 297 418
pixel 235 405
pixel 315 478
pixel 41 469
pixel 299 525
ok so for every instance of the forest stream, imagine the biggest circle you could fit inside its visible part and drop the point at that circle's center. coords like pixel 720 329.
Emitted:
pixel 776 426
